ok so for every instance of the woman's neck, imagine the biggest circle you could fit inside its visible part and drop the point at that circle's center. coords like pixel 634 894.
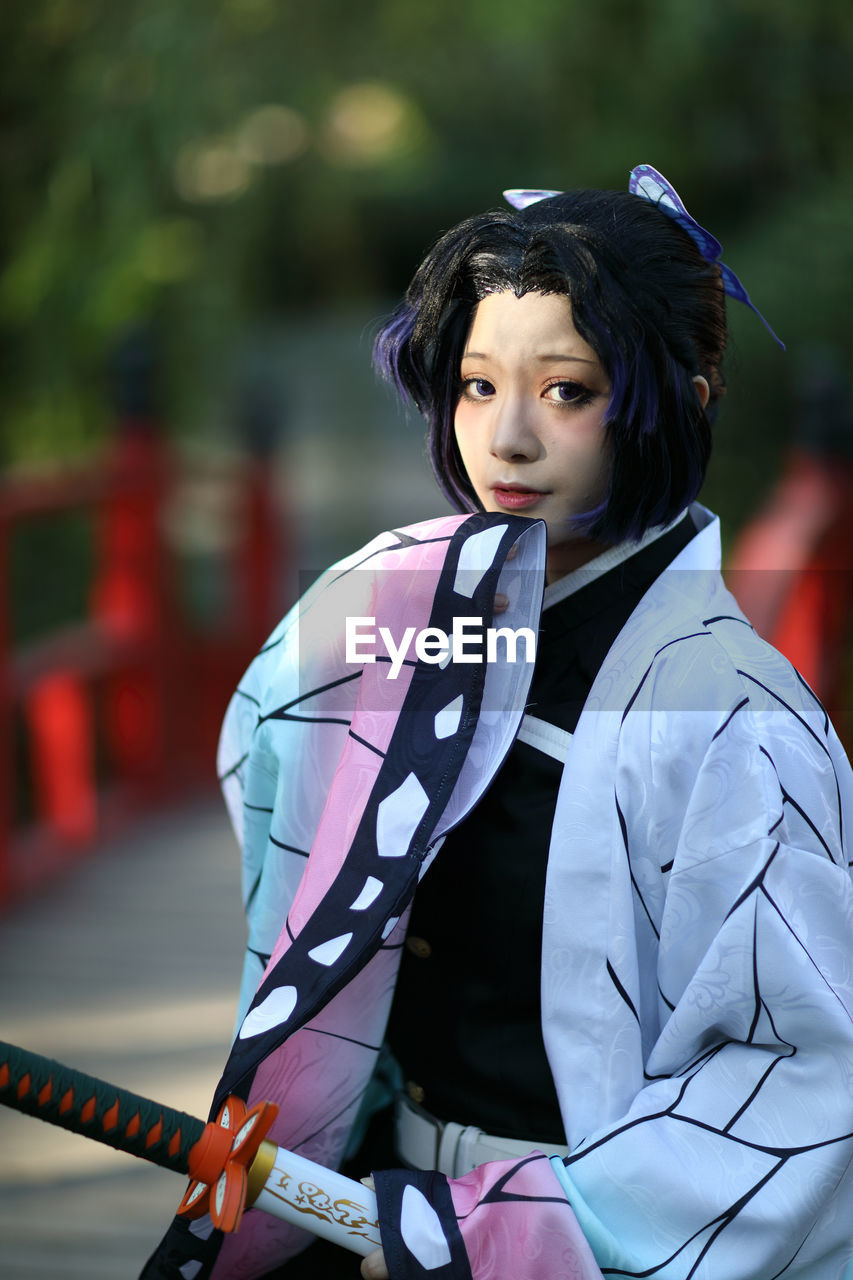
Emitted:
pixel 567 556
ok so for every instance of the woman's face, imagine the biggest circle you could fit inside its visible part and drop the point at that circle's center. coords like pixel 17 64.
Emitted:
pixel 530 419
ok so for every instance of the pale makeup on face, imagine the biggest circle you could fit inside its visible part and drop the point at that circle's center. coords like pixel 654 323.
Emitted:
pixel 530 419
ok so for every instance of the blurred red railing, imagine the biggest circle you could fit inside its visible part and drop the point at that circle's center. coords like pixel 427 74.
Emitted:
pixel 792 575
pixel 791 568
pixel 105 718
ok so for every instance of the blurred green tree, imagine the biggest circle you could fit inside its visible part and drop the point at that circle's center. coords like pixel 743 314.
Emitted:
pixel 196 165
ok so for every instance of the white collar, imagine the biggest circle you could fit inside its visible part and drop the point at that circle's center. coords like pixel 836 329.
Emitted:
pixel 603 563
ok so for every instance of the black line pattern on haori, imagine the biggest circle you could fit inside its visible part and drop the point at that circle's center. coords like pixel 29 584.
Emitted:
pixel 282 713
pixel 289 848
pixel 623 826
pixel 715 1226
pixel 614 978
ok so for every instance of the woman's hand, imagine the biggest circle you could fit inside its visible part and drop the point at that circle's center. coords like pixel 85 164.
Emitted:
pixel 373 1267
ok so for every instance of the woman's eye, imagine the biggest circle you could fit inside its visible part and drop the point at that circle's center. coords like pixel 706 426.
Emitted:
pixel 477 388
pixel 568 393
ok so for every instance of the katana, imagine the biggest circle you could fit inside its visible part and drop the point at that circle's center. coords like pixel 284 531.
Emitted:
pixel 231 1164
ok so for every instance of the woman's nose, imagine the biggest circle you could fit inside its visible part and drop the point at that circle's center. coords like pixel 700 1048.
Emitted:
pixel 513 436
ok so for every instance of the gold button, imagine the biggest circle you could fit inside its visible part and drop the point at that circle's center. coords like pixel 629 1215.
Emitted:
pixel 415 1092
pixel 419 947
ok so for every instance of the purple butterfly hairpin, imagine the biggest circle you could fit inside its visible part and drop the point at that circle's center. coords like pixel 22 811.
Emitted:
pixel 650 185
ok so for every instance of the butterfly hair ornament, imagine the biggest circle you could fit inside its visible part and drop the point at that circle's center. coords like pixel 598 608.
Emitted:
pixel 650 185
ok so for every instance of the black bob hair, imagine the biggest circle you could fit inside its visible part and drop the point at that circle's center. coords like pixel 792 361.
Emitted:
pixel 643 297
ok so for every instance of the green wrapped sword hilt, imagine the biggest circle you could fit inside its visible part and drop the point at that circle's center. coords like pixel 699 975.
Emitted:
pixel 83 1104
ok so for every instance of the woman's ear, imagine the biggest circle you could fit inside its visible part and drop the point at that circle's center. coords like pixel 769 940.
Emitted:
pixel 702 389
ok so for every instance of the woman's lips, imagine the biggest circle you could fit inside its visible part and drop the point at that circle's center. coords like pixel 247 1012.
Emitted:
pixel 513 499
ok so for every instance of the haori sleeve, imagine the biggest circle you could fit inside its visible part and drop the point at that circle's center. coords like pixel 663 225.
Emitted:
pixel 506 1220
pixel 734 1159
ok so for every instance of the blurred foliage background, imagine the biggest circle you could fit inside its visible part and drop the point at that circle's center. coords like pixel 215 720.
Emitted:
pixel 253 182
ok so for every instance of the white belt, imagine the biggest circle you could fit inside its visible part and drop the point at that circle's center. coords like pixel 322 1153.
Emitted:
pixel 422 1142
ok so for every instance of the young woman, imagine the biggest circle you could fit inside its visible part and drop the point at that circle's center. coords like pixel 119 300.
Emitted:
pixel 621 999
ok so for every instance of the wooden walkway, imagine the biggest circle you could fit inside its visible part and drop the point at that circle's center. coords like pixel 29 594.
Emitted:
pixel 128 968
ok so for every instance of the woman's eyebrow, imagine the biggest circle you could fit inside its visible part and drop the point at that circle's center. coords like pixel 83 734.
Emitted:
pixel 553 357
pixel 547 358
